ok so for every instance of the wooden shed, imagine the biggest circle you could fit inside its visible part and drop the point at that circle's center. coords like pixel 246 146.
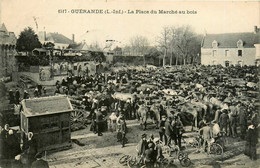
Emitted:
pixel 48 118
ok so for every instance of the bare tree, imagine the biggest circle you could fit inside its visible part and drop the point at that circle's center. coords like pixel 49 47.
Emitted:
pixel 164 41
pixel 185 44
pixel 139 45
pixel 95 46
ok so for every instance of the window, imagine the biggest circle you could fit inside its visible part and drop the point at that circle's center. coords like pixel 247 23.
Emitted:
pixel 226 63
pixel 239 53
pixel 214 53
pixel 240 43
pixel 226 53
pixel 214 44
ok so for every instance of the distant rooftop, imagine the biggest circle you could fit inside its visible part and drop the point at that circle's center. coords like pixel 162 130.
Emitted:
pixel 229 40
pixel 54 37
pixel 46 106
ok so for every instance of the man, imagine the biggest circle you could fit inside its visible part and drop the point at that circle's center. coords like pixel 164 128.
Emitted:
pixel 142 146
pixel 162 129
pixel 39 162
pixel 150 156
pixel 99 122
pixel 119 121
pixel 11 97
pixel 177 130
pixel 223 121
pixel 242 120
pixel 206 135
pixel 17 96
pixel 233 125
pixel 123 131
pixel 168 131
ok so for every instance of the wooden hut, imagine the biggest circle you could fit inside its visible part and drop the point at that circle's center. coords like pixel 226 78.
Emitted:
pixel 48 118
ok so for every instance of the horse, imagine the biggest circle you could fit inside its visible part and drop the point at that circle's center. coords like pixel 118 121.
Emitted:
pixel 155 114
pixel 142 114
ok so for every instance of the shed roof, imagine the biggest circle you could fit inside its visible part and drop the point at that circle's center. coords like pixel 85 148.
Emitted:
pixel 46 106
pixel 229 40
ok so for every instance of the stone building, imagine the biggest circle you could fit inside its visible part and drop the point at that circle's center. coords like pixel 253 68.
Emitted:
pixel 7 51
pixel 231 48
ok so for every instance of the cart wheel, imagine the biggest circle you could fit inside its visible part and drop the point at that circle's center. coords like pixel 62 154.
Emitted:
pixel 185 162
pixel 132 162
pixel 77 119
pixel 123 159
pixel 216 149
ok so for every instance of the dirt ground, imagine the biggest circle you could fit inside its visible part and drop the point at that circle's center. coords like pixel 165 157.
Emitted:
pixel 90 151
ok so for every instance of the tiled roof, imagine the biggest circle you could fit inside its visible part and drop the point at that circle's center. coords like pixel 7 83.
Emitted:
pixel 46 106
pixel 229 40
pixel 58 38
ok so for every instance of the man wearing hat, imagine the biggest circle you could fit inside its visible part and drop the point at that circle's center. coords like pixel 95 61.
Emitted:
pixel 223 121
pixel 162 129
pixel 168 130
pixel 242 120
pixel 17 96
pixel 142 145
pixel 206 135
pixel 99 122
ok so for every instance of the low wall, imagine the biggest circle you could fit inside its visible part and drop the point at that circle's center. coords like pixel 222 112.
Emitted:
pixel 36 78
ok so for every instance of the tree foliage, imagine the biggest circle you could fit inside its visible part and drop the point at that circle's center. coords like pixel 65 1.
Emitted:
pixel 27 40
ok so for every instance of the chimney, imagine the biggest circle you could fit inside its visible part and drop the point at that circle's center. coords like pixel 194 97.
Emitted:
pixel 73 38
pixel 256 29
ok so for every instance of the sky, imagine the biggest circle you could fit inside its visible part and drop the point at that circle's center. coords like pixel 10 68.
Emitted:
pixel 211 17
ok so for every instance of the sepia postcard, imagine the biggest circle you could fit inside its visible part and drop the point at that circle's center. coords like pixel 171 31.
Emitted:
pixel 129 83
